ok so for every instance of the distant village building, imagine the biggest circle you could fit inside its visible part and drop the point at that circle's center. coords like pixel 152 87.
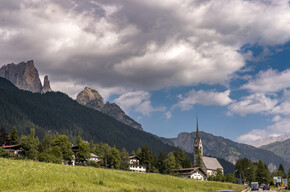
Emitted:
pixel 75 149
pixel 209 164
pixel 134 164
pixel 192 173
pixel 94 158
pixel 13 149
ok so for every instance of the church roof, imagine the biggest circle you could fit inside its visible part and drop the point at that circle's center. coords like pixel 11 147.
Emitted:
pixel 211 163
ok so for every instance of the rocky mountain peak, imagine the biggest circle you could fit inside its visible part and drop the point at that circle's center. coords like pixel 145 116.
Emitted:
pixel 46 85
pixel 91 98
pixel 23 75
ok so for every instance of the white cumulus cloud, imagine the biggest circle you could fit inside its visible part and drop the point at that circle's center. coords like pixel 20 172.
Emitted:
pixel 138 101
pixel 255 103
pixel 269 81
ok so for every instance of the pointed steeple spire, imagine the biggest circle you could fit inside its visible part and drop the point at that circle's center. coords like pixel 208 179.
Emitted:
pixel 197 132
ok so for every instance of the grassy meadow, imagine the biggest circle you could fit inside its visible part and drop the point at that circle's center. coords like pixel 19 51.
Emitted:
pixel 35 176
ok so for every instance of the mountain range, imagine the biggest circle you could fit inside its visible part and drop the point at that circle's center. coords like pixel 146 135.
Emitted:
pixel 88 116
pixel 25 76
pixel 55 112
pixel 227 149
pixel 281 148
pixel 91 98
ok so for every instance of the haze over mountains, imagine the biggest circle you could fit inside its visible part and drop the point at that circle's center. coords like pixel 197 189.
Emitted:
pixel 58 113
pixel 281 148
pixel 269 140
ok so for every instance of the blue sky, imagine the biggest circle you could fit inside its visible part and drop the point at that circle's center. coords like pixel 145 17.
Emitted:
pixel 164 61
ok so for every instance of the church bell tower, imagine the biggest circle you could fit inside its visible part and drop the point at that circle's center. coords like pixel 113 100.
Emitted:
pixel 197 145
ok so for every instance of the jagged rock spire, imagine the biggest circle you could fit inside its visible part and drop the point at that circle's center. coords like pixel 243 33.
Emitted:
pixel 46 85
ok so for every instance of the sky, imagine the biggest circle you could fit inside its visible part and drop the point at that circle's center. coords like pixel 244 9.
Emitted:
pixel 164 61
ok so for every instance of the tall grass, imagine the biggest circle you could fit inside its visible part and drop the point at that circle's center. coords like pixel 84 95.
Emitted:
pixel 35 176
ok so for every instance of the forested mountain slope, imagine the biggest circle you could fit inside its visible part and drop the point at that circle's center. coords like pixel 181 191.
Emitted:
pixel 58 113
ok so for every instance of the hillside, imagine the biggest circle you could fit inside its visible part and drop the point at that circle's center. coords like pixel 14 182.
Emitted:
pixel 224 148
pixel 35 176
pixel 58 113
pixel 281 148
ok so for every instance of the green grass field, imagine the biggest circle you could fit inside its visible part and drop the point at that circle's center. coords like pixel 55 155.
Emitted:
pixel 35 176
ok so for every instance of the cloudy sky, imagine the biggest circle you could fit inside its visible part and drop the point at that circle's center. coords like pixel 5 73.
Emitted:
pixel 164 61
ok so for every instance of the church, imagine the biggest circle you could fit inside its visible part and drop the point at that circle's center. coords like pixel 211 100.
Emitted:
pixel 203 166
pixel 208 164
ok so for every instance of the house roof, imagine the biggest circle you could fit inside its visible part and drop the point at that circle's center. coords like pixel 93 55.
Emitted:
pixel 94 155
pixel 134 157
pixel 11 147
pixel 189 171
pixel 211 163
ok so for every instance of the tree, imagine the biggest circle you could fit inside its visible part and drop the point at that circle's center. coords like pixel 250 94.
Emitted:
pixel 92 147
pixel 103 151
pixel 51 155
pixel 281 171
pixel 169 163
pixel 133 153
pixel 64 144
pixel 46 143
pixel 138 152
pixel 78 140
pixel 13 137
pixel 263 173
pixel 29 145
pixel 229 178
pixel 161 164
pixel 219 175
pixel 3 136
pixel 198 162
pixel 114 158
pixel 146 157
pixel 178 159
pixel 4 153
pixel 124 161
pixel 244 168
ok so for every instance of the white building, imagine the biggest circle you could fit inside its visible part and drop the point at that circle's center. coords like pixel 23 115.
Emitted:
pixel 94 158
pixel 211 165
pixel 134 165
pixel 192 173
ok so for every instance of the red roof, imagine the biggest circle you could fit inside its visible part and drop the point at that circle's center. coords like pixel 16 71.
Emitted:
pixel 9 146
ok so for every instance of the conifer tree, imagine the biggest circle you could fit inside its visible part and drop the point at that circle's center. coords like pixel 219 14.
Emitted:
pixel 114 158
pixel 124 162
pixel 64 144
pixel 198 162
pixel 161 159
pixel 169 163
pixel 92 147
pixel 29 145
pixel 78 140
pixel 3 136
pixel 13 137
pixel 146 157
pixel 281 171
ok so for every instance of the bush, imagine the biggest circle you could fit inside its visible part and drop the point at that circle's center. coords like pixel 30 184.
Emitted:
pixel 92 164
pixel 4 153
